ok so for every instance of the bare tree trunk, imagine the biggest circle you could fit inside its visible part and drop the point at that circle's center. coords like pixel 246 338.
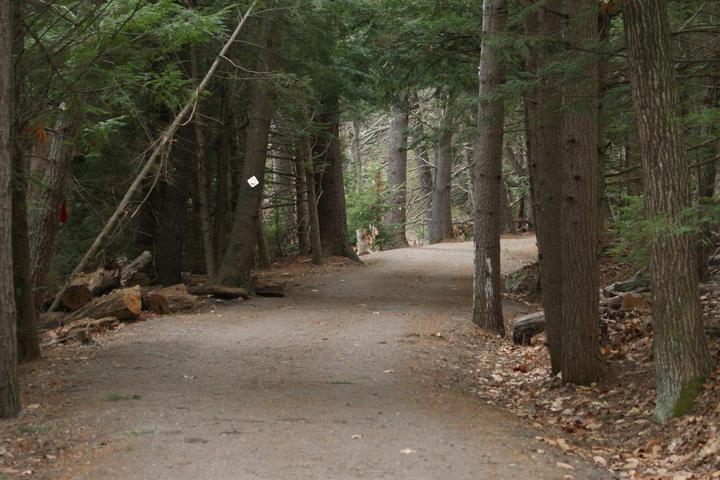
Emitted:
pixel 239 258
pixel 9 388
pixel 331 202
pixel 424 173
pixel 681 355
pixel 222 192
pixel 487 300
pixel 395 218
pixel 545 122
pixel 581 276
pixel 201 176
pixel 303 214
pixel 357 154
pixel 48 200
pixel 262 244
pixel 440 227
pixel 307 167
pixel 26 310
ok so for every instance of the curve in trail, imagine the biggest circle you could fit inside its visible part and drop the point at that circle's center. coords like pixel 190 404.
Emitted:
pixel 323 384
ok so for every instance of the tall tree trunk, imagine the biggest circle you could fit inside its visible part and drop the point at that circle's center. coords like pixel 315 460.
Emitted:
pixel 9 389
pixel 222 192
pixel 203 200
pixel 170 200
pixel 395 218
pixel 262 243
pixel 48 200
pixel 357 154
pixel 424 173
pixel 581 275
pixel 331 202
pixel 307 167
pixel 239 258
pixel 681 354
pixel 440 227
pixel 301 206
pixel 487 300
pixel 26 310
pixel 545 121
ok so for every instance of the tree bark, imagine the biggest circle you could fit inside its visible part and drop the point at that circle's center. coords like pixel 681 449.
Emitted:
pixel 48 199
pixel 332 216
pixel 307 167
pixel 357 154
pixel 9 388
pixel 302 207
pixel 239 259
pixel 440 227
pixel 581 274
pixel 424 174
pixel 203 199
pixel 26 310
pixel 395 218
pixel 487 300
pixel 681 354
pixel 545 120
pixel 222 192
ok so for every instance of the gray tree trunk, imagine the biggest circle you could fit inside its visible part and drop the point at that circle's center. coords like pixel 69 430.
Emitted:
pixel 545 123
pixel 487 300
pixel 681 354
pixel 440 227
pixel 580 279
pixel 9 389
pixel 395 218
pixel 235 269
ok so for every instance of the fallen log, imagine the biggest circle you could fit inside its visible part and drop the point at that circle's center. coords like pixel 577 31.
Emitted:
pixel 166 300
pixel 122 304
pixel 267 288
pixel 76 296
pixel 527 326
pixel 218 291
pixel 138 266
pixel 98 282
pixel 51 320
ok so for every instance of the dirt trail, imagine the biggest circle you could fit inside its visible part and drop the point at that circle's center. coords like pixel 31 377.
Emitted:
pixel 327 383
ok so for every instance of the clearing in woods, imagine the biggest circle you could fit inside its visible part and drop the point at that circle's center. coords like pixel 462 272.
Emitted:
pixel 331 382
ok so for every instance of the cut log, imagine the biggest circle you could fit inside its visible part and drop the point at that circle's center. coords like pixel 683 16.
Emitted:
pixel 76 296
pixel 527 326
pixel 219 291
pixel 98 282
pixel 267 288
pixel 138 279
pixel 140 265
pixel 122 304
pixel 165 300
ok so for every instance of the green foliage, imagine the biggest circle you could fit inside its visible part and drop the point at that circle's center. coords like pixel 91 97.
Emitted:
pixel 364 208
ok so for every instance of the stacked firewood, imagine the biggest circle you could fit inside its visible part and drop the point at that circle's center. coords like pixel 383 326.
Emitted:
pixel 120 291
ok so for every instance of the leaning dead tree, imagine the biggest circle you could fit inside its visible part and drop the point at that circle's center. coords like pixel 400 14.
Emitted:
pixel 161 146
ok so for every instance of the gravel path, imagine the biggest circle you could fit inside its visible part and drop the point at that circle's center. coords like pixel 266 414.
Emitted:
pixel 324 384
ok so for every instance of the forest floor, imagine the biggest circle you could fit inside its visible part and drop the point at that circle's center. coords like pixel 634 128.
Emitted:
pixel 338 380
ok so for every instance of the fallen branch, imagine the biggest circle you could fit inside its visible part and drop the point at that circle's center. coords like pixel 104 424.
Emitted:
pixel 164 141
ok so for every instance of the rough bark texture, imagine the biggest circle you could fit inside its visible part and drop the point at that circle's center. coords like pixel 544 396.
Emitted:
pixel 681 354
pixel 395 218
pixel 9 390
pixel 545 122
pixel 580 279
pixel 222 192
pixel 203 200
pixel 26 310
pixel 239 256
pixel 424 174
pixel 307 166
pixel 357 154
pixel 47 200
pixel 440 227
pixel 487 300
pixel 301 204
pixel 331 203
